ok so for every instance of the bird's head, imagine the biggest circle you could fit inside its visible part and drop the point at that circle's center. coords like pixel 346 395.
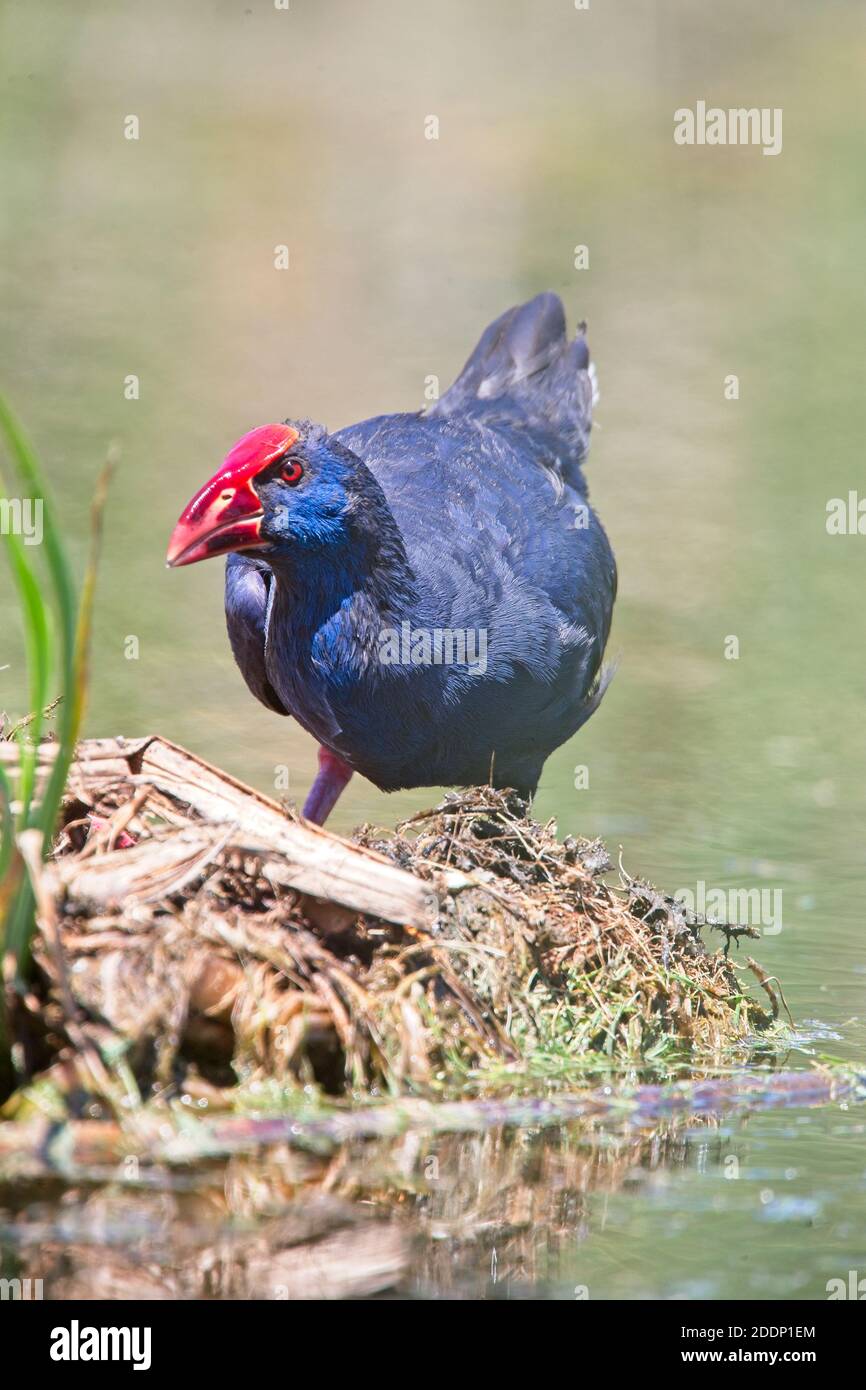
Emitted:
pixel 282 487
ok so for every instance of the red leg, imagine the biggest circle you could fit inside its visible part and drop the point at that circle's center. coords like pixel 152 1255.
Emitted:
pixel 331 778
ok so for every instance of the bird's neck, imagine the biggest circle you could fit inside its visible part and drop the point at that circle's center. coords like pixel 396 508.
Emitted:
pixel 356 573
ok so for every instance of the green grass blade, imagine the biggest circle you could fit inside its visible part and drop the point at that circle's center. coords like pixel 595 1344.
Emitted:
pixel 73 633
pixel 37 646
pixel 27 467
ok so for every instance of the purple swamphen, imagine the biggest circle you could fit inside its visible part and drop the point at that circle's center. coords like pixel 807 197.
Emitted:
pixel 428 594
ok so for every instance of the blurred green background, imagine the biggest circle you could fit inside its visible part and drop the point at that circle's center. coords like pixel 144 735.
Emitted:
pixel 260 127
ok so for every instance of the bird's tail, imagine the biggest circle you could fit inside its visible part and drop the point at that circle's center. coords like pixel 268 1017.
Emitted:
pixel 525 364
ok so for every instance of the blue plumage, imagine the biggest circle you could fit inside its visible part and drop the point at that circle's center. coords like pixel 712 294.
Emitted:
pixel 464 532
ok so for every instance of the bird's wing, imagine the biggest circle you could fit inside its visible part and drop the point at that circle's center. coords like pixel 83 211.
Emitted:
pixel 499 534
pixel 249 583
pixel 525 372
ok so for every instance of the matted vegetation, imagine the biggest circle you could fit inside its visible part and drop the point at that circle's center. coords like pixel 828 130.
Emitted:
pixel 179 934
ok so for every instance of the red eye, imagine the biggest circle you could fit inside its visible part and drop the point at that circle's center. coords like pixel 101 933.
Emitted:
pixel 292 472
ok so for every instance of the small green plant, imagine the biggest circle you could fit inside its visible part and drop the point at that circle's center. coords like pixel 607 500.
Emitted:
pixel 57 625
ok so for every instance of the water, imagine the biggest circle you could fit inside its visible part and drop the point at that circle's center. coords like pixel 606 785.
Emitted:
pixel 154 258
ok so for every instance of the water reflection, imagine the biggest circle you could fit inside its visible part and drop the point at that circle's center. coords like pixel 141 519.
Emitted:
pixel 440 1217
pixel 701 1209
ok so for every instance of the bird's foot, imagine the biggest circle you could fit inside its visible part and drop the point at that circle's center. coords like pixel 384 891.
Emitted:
pixel 331 778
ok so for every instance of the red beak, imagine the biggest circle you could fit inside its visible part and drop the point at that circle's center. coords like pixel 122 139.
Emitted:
pixel 226 514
